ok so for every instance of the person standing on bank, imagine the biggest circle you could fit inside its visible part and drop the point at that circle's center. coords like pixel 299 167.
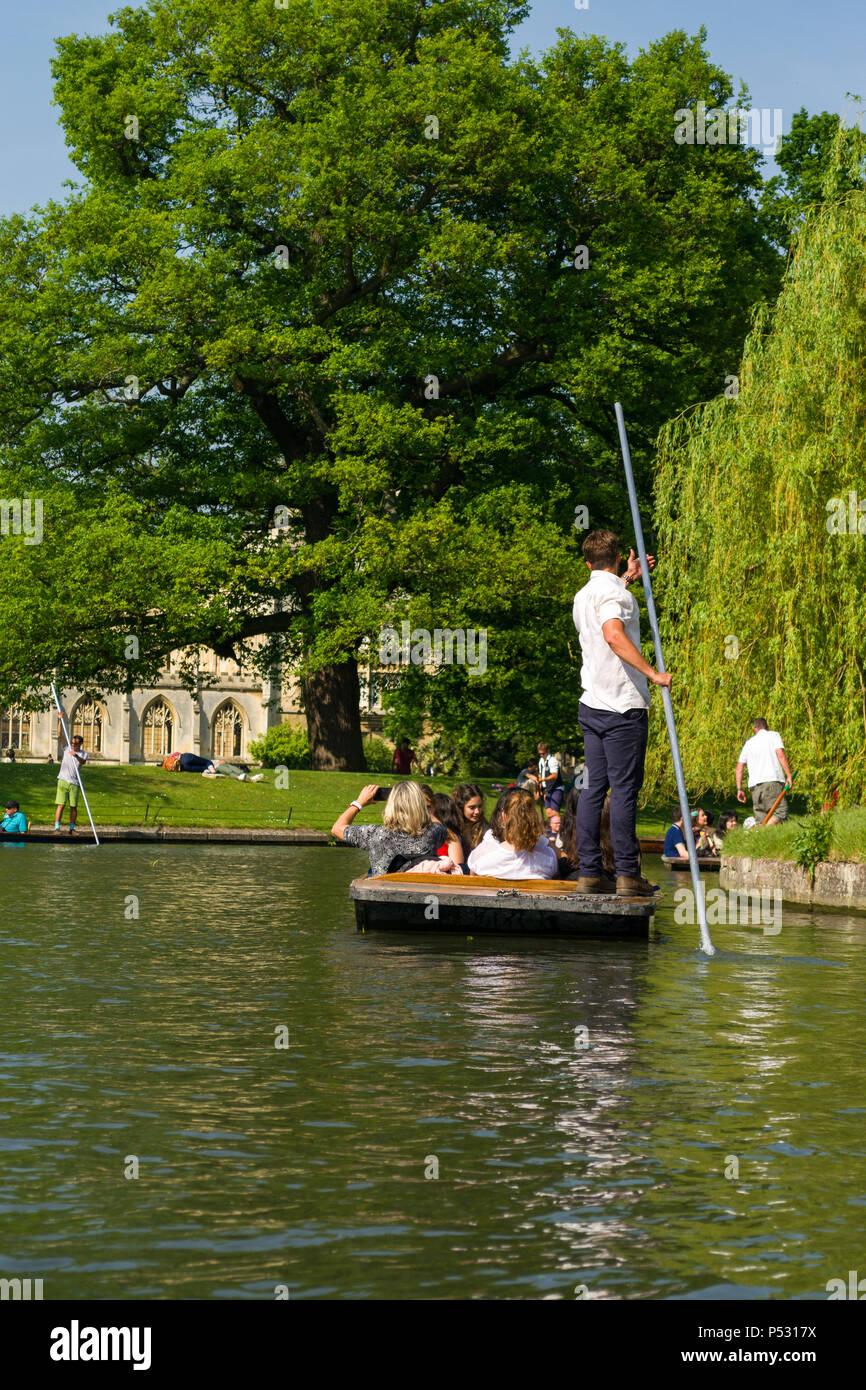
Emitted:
pixel 764 755
pixel 550 780
pixel 613 715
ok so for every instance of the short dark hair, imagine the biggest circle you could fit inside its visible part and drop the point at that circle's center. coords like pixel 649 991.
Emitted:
pixel 601 549
pixel 676 815
pixel 760 724
pixel 11 803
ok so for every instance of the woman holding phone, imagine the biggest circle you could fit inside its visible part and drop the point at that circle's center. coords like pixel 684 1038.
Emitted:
pixel 407 836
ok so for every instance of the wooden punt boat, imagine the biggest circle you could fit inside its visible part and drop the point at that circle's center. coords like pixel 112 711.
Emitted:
pixel 477 905
pixel 650 844
pixel 49 837
pixel 707 863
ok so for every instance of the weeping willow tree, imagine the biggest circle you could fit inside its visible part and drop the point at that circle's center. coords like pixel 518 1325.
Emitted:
pixel 761 520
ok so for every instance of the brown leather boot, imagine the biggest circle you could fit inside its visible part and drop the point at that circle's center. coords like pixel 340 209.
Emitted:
pixel 634 886
pixel 602 884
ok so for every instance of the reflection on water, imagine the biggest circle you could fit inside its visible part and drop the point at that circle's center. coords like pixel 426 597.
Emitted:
pixel 583 1102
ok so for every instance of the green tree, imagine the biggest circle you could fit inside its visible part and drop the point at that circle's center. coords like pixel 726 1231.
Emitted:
pixel 820 156
pixel 761 519
pixel 318 300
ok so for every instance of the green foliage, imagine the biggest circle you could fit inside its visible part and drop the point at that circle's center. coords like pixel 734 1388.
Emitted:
pixel 262 491
pixel 809 156
pixel 282 746
pixel 811 842
pixel 755 539
pixel 847 842
pixel 377 755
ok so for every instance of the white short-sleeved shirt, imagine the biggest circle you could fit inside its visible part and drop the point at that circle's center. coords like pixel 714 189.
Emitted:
pixel 69 767
pixel 759 755
pixel 549 766
pixel 497 859
pixel 608 682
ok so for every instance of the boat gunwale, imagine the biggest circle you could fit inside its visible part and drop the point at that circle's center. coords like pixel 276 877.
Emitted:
pixel 498 894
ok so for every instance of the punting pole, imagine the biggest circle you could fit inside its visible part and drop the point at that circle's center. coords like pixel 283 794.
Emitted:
pixel 69 745
pixel 706 944
pixel 786 788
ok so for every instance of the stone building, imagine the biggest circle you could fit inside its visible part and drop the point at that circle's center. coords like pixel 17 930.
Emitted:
pixel 220 720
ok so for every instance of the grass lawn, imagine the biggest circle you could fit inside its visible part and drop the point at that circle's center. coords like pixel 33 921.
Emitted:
pixel 847 838
pixel 141 795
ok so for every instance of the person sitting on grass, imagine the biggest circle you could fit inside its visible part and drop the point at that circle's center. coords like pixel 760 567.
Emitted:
pixel 675 840
pixel 14 822
pixel 529 778
pixel 514 846
pixel 407 836
pixel 469 800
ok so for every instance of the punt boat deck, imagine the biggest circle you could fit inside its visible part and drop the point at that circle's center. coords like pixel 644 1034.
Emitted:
pixel 533 907
pixel 707 863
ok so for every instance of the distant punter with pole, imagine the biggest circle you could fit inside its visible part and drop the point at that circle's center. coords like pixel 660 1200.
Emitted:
pixel 68 779
pixel 769 772
pixel 613 715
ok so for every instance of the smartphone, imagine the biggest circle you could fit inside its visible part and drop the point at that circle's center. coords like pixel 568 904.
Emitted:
pixel 382 794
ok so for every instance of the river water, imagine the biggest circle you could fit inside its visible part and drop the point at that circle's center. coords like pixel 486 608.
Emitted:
pixel 616 1121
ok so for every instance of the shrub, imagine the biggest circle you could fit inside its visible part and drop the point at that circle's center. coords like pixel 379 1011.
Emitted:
pixel 811 842
pixel 378 755
pixel 282 746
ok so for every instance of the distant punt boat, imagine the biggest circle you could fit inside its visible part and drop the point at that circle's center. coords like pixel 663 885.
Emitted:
pixel 504 906
pixel 709 863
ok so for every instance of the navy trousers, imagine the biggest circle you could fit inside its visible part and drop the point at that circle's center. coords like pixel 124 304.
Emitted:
pixel 615 750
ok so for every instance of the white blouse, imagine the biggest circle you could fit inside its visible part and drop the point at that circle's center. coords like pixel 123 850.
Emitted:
pixel 499 859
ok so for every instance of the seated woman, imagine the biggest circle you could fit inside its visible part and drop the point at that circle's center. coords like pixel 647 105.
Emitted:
pixel 469 800
pixel 445 813
pixel 710 842
pixel 514 846
pixel 407 836
pixel 727 821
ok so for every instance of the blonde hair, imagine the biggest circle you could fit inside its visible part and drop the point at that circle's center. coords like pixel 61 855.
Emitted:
pixel 406 809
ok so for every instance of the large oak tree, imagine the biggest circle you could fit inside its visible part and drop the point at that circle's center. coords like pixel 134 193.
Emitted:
pixel 317 311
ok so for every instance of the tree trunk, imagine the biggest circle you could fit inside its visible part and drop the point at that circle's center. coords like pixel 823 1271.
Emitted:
pixel 332 706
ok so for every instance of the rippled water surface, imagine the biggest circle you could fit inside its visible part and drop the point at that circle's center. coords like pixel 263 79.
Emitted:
pixel 612 1166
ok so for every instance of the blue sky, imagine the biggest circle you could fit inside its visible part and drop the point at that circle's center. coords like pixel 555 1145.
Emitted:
pixel 791 53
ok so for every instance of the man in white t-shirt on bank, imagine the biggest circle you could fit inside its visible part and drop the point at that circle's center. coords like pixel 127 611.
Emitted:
pixel 613 716
pixel 764 755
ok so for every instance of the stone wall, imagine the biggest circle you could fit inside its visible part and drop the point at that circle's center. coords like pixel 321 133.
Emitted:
pixel 836 884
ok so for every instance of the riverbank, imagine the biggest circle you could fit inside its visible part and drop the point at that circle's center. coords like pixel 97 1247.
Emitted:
pixel 150 799
pixel 779 858
pixel 838 884
pixel 846 844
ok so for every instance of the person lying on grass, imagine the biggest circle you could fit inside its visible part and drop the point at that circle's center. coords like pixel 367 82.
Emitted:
pixel 514 846
pixel 407 840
